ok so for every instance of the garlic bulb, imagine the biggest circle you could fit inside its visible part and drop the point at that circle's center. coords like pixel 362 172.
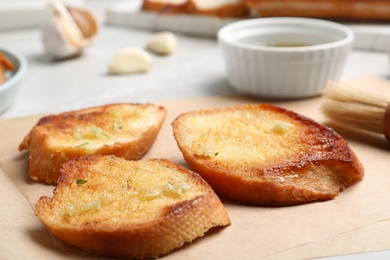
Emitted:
pixel 68 30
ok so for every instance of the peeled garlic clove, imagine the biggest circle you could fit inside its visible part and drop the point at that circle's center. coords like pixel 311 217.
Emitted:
pixel 162 43
pixel 130 60
pixel 67 31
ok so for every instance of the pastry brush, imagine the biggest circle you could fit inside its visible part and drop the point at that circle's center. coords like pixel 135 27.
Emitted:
pixel 357 108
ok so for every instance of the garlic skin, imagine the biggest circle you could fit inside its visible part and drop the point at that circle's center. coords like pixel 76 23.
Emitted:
pixel 163 43
pixel 130 60
pixel 67 30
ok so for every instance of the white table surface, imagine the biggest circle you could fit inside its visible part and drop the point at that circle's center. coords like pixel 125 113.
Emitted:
pixel 195 69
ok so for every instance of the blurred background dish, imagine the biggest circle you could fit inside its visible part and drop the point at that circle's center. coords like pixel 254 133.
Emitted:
pixel 9 88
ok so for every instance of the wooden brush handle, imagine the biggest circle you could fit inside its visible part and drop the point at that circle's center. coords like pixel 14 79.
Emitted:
pixel 386 123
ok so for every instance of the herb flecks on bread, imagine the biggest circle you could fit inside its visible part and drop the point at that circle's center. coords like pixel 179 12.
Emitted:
pixel 266 155
pixel 135 209
pixel 125 130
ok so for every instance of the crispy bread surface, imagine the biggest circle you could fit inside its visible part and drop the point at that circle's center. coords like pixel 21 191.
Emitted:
pixel 124 130
pixel 219 8
pixel 164 6
pixel 133 209
pixel 374 10
pixel 222 9
pixel 266 155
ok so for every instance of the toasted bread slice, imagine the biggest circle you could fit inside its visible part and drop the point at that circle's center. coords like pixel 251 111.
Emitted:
pixel 266 155
pixel 125 130
pixel 219 8
pixel 5 66
pixel 164 6
pixel 132 209
pixel 357 10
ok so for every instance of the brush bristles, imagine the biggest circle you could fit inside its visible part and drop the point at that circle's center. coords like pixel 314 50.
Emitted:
pixel 355 107
pixel 348 94
pixel 356 115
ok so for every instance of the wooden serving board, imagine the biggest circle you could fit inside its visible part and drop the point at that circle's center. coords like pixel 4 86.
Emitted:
pixel 356 221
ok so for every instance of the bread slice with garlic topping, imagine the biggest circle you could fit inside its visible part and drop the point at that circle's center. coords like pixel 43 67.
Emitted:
pixel 266 155
pixel 126 130
pixel 219 8
pixel 164 6
pixel 131 209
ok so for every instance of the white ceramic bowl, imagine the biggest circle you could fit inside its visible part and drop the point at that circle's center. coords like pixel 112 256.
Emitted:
pixel 258 65
pixel 9 88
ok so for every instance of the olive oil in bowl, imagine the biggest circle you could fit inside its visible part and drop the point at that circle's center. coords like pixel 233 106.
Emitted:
pixel 286 44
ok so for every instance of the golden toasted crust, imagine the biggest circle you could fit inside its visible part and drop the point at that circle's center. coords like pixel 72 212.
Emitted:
pixel 5 65
pixel 266 155
pixel 5 62
pixel 133 209
pixel 124 130
pixel 164 7
pixel 374 10
pixel 229 9
pixel 224 10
